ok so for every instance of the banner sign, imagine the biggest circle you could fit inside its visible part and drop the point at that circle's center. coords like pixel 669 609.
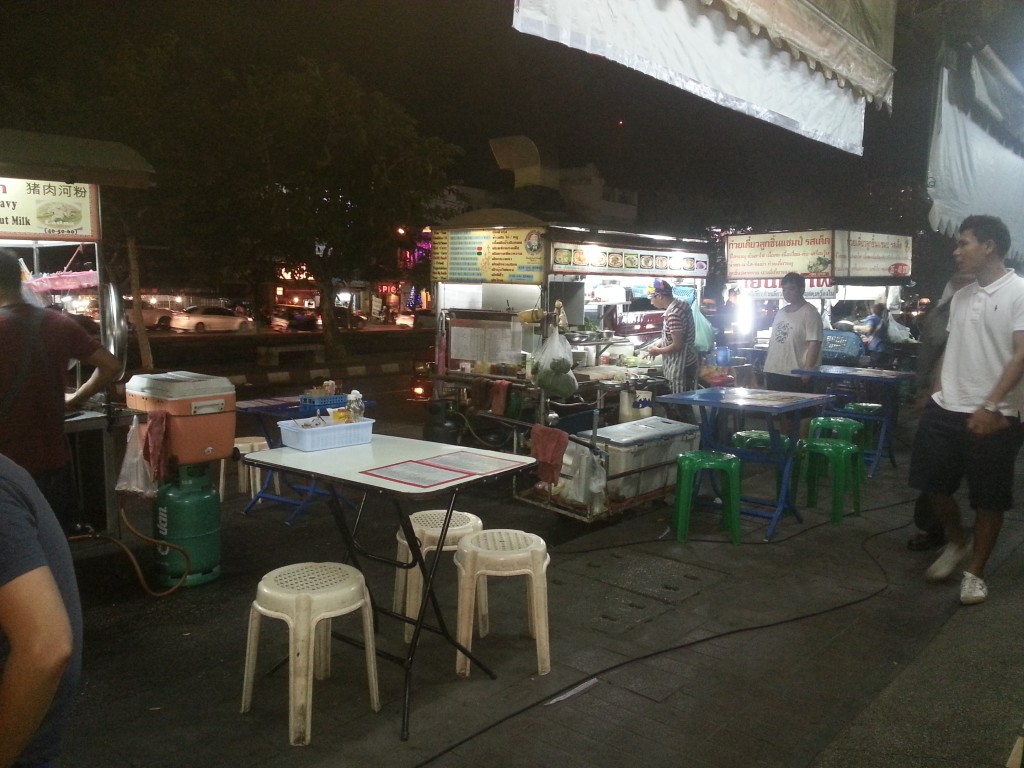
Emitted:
pixel 49 210
pixel 771 288
pixel 776 254
pixel 488 256
pixel 864 254
pixel 594 259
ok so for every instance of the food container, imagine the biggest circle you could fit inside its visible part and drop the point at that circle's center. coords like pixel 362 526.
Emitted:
pixel 310 404
pixel 636 448
pixel 200 408
pixel 325 436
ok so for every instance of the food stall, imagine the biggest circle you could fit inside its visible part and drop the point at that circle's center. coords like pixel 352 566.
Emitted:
pixel 837 264
pixel 49 198
pixel 506 283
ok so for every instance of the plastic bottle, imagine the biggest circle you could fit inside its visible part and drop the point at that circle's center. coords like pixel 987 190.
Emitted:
pixel 355 405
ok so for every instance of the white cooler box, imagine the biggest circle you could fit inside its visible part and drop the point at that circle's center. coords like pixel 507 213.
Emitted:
pixel 201 408
pixel 635 445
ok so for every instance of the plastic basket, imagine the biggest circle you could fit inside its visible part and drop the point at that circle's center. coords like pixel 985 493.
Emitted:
pixel 327 436
pixel 308 406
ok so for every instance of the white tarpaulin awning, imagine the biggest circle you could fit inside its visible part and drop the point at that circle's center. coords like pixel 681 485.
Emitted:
pixel 970 172
pixel 811 72
pixel 57 282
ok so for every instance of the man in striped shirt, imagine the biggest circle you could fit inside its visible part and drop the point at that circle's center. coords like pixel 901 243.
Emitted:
pixel 676 347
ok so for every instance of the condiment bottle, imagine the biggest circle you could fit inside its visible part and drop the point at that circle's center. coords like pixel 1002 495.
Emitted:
pixel 355 405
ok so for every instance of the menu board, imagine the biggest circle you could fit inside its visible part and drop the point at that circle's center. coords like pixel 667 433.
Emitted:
pixel 865 254
pixel 595 259
pixel 778 253
pixel 49 210
pixel 488 256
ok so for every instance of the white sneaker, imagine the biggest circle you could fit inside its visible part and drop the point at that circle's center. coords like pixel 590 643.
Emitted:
pixel 972 590
pixel 947 562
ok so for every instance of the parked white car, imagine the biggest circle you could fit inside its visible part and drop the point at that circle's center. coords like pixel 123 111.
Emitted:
pixel 202 319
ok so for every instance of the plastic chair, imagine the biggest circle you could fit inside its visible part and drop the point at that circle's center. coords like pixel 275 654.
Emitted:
pixel 689 466
pixel 837 427
pixel 502 552
pixel 427 527
pixel 248 477
pixel 755 439
pixel 844 460
pixel 306 596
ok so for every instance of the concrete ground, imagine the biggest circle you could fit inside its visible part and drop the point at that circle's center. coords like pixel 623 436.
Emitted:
pixel 823 648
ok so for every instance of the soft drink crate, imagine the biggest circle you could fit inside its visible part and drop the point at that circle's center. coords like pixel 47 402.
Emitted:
pixel 324 436
pixel 309 405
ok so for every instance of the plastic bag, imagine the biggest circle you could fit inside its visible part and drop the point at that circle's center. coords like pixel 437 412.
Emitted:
pixel 135 475
pixel 554 364
pixel 898 333
pixel 703 331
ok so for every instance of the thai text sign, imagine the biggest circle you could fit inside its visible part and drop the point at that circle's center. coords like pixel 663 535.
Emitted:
pixel 488 256
pixel 778 253
pixel 771 288
pixel 597 259
pixel 49 210
pixel 865 254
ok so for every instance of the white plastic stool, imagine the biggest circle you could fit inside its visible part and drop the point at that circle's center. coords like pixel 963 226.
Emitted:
pixel 249 478
pixel 500 552
pixel 306 596
pixel 427 527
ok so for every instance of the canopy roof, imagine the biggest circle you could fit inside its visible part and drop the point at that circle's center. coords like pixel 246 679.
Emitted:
pixel 28 155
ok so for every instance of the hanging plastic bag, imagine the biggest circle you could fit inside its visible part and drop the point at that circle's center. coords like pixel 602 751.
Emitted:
pixel 136 476
pixel 703 331
pixel 898 333
pixel 554 367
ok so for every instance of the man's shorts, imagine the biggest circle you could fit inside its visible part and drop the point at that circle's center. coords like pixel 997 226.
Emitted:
pixel 945 453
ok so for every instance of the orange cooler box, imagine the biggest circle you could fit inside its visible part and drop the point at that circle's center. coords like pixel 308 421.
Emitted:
pixel 201 408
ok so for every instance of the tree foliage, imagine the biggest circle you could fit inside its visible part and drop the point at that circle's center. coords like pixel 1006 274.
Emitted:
pixel 256 165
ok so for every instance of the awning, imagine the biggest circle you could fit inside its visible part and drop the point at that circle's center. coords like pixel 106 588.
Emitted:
pixel 27 155
pixel 812 71
pixel 63 281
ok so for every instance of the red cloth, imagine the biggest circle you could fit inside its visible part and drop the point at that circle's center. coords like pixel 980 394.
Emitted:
pixel 499 397
pixel 155 448
pixel 547 446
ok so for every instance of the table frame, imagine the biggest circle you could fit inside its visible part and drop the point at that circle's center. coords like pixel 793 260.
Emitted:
pixel 850 376
pixel 713 401
pixel 346 467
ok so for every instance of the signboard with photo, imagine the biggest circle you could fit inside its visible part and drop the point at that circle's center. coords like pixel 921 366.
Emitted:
pixel 776 254
pixel 49 210
pixel 488 256
pixel 596 259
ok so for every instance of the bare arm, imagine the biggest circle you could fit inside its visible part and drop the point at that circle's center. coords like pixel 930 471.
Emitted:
pixel 983 422
pixel 36 624
pixel 810 360
pixel 107 368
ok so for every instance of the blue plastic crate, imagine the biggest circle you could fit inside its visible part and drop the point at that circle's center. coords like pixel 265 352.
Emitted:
pixel 308 406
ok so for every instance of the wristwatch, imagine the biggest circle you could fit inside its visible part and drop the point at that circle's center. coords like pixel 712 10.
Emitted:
pixel 991 407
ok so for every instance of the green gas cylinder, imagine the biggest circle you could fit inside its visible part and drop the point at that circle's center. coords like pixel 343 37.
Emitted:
pixel 186 512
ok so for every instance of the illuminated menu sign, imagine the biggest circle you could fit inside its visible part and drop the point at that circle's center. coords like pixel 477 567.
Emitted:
pixel 771 288
pixel 774 255
pixel 593 259
pixel 49 210
pixel 488 256
pixel 864 254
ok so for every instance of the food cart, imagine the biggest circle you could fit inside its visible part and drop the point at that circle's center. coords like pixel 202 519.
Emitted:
pixel 50 195
pixel 505 283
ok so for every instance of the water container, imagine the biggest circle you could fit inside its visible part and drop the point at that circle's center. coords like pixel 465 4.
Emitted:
pixel 187 513
pixel 722 356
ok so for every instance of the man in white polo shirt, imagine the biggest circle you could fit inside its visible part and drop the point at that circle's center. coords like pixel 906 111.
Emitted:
pixel 971 428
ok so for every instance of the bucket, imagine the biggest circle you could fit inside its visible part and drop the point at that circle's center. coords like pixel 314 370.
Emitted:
pixel 626 406
pixel 643 404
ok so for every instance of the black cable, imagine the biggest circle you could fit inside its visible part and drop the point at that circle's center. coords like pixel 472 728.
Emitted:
pixel 683 646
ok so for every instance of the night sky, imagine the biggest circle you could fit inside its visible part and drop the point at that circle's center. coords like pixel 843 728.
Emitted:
pixel 464 74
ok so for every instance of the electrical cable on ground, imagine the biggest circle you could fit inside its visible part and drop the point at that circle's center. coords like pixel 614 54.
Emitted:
pixel 584 683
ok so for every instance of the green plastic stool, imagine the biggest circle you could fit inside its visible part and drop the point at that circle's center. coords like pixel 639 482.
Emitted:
pixel 760 439
pixel 844 459
pixel 871 426
pixel 838 427
pixel 688 469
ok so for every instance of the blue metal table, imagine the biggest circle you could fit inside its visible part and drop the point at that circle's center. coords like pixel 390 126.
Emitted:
pixel 713 401
pixel 842 377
